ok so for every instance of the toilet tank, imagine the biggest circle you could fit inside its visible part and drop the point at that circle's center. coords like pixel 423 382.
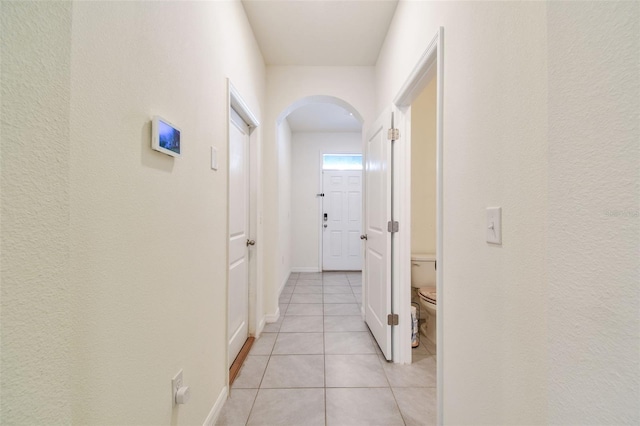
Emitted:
pixel 423 270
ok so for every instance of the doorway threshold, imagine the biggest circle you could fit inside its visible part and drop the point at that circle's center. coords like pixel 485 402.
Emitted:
pixel 242 356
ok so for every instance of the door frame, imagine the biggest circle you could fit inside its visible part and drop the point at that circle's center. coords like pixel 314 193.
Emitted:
pixel 238 244
pixel 429 66
pixel 256 318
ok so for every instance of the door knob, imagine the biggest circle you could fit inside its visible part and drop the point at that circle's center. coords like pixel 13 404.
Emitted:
pixel 363 237
pixel 325 225
pixel 251 243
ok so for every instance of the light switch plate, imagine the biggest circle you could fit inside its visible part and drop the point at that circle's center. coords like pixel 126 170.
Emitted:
pixel 494 225
pixel 214 158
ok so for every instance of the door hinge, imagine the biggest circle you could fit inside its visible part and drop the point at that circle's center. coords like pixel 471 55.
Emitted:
pixel 393 226
pixel 393 134
pixel 392 319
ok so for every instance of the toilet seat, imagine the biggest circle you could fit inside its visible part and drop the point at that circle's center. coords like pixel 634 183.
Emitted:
pixel 428 294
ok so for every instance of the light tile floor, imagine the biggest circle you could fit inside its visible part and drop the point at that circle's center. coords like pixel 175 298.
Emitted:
pixel 319 365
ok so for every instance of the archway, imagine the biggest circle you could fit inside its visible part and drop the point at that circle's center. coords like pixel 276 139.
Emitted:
pixel 301 141
pixel 318 99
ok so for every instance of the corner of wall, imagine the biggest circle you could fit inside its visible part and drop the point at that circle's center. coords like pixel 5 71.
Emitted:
pixel 284 282
pixel 269 318
pixel 217 407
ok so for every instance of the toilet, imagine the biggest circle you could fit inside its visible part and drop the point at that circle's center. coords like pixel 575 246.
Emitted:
pixel 423 281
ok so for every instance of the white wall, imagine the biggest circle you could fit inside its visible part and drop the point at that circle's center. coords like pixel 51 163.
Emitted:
pixel 284 198
pixel 541 118
pixel 286 85
pixel 116 260
pixel 306 175
pixel 493 156
pixel 593 228
pixel 37 297
pixel 423 171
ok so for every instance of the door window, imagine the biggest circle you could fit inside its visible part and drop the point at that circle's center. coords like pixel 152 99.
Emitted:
pixel 342 162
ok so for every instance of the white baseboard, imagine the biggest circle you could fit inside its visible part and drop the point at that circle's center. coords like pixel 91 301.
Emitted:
pixel 217 408
pixel 273 318
pixel 261 325
pixel 284 282
pixel 306 269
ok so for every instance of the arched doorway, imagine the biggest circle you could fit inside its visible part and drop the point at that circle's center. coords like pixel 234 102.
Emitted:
pixel 316 235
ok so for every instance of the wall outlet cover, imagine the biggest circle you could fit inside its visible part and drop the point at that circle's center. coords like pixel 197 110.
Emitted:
pixel 176 383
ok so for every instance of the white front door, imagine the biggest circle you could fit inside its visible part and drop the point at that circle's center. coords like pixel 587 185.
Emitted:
pixel 377 270
pixel 341 220
pixel 238 303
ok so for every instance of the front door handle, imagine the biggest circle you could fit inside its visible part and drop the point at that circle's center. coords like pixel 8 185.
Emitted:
pixel 364 237
pixel 251 243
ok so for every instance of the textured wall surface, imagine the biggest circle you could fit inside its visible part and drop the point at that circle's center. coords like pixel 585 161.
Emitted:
pixel 594 213
pixel 306 173
pixel 149 232
pixel 541 118
pixel 114 255
pixel 423 171
pixel 36 293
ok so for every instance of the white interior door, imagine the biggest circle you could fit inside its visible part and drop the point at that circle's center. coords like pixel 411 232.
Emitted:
pixel 342 220
pixel 377 270
pixel 238 303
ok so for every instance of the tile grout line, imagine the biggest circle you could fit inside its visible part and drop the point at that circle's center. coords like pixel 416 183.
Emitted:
pixel 324 355
pixel 269 360
pixel 324 334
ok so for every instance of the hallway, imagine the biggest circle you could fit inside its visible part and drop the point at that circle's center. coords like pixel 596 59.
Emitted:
pixel 320 365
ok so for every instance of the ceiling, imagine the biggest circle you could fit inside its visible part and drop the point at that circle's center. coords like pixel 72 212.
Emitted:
pixel 323 117
pixel 320 32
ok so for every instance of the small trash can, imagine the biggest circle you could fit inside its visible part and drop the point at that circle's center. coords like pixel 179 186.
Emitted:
pixel 414 327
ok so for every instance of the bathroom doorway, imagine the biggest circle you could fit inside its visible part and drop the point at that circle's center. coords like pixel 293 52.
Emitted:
pixel 429 68
pixel 423 216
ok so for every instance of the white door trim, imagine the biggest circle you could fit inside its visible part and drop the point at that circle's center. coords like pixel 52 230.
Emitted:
pixel 430 65
pixel 320 200
pixel 256 317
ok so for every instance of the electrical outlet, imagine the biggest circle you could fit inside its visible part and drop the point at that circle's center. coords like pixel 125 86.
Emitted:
pixel 176 383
